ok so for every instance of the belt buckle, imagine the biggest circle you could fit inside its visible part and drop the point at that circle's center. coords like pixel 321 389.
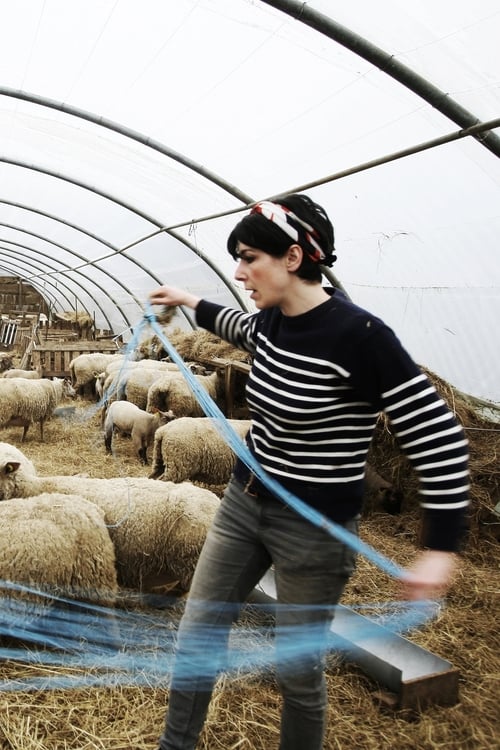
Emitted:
pixel 248 485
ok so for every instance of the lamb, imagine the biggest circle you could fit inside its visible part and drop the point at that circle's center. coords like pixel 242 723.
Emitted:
pixel 17 373
pixel 23 401
pixel 157 528
pixel 57 544
pixel 128 419
pixel 191 448
pixel 176 395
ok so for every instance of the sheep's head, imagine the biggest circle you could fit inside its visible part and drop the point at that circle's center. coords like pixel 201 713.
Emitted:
pixel 14 467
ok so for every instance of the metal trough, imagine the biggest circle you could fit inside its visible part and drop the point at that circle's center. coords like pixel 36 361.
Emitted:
pixel 412 676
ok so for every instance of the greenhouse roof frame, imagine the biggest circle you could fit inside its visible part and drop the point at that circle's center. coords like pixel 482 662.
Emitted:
pixel 112 210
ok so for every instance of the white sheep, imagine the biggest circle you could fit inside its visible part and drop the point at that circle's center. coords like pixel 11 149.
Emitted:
pixel 135 386
pixel 17 373
pixel 14 465
pixel 23 401
pixel 157 528
pixel 57 544
pixel 192 449
pixel 112 383
pixel 176 395
pixel 128 419
pixel 84 367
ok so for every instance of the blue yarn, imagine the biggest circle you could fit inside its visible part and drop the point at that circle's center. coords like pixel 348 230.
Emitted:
pixel 137 648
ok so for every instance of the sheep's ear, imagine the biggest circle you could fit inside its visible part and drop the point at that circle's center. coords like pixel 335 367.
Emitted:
pixel 12 466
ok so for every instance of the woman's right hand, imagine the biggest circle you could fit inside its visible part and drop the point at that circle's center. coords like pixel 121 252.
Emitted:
pixel 171 296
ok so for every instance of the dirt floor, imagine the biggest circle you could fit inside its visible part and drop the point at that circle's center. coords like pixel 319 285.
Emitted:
pixel 244 713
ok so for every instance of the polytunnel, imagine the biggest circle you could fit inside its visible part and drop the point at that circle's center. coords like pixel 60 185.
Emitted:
pixel 135 134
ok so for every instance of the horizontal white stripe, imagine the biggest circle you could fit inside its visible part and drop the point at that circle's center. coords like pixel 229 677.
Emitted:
pixel 411 414
pixel 421 425
pixel 430 438
pixel 403 386
pixel 445 506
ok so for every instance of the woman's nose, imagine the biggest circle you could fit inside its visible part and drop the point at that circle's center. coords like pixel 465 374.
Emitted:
pixel 239 274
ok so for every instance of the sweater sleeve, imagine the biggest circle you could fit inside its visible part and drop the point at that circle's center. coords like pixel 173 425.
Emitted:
pixel 234 326
pixel 428 433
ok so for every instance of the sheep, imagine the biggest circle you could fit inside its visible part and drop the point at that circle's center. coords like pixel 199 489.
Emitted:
pixel 16 373
pixel 57 544
pixel 23 401
pixel 176 395
pixel 84 367
pixel 191 448
pixel 135 386
pixel 113 382
pixel 13 466
pixel 128 419
pixel 157 528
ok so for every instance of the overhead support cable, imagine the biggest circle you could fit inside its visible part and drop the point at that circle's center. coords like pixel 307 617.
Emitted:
pixel 388 64
pixel 402 153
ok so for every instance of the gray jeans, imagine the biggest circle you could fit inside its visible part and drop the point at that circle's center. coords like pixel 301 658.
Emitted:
pixel 311 569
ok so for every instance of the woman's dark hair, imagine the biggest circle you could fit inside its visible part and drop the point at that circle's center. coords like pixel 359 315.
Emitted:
pixel 260 232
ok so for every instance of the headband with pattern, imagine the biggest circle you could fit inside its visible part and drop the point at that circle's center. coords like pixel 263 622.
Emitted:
pixel 280 215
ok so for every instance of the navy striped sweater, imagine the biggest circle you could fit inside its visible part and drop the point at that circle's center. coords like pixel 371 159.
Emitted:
pixel 317 385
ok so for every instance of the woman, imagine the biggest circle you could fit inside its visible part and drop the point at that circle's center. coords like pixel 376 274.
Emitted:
pixel 323 369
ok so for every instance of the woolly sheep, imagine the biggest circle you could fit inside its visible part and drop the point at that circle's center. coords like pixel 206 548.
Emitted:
pixel 128 419
pixel 113 382
pixel 192 449
pixel 23 401
pixel 135 387
pixel 175 395
pixel 57 544
pixel 16 373
pixel 84 367
pixel 157 528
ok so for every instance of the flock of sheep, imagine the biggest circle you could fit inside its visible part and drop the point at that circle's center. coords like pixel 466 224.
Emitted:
pixel 89 538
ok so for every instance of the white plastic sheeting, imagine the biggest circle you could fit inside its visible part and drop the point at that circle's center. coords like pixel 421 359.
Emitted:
pixel 121 119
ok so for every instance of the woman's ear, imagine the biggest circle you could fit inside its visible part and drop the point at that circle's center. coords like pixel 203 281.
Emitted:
pixel 294 257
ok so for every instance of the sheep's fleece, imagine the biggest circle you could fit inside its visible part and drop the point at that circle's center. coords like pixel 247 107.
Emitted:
pixel 157 528
pixel 59 544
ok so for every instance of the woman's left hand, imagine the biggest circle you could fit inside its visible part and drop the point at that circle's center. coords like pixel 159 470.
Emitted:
pixel 430 576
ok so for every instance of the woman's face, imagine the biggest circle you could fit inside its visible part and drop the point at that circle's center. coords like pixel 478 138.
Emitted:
pixel 267 277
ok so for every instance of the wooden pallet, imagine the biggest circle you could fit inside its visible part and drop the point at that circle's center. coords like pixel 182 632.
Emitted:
pixel 52 358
